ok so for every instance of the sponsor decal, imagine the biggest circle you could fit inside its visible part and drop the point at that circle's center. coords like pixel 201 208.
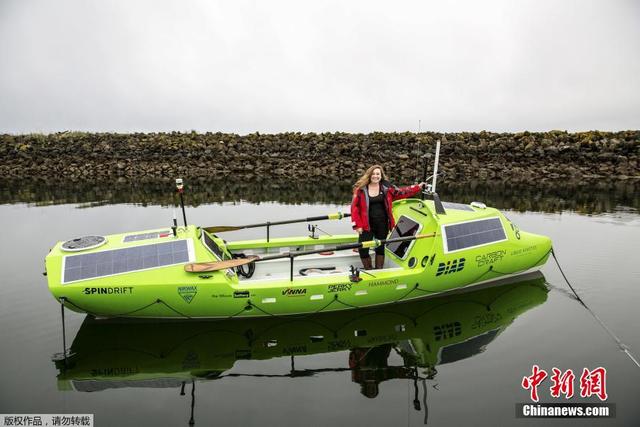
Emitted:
pixel 383 283
pixel 191 361
pixel 485 320
pixel 294 349
pixel 382 339
pixel 109 291
pixel 114 372
pixel 516 230
pixel 490 258
pixel 339 345
pixel 187 293
pixel 342 287
pixel 450 267
pixel 241 294
pixel 448 330
pixel 524 251
pixel 294 292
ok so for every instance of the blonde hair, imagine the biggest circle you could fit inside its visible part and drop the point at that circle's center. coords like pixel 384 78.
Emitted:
pixel 365 179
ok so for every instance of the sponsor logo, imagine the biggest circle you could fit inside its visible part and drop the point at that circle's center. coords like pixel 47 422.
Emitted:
pixel 485 320
pixel 188 293
pixel 220 296
pixel 450 267
pixel 295 349
pixel 294 292
pixel 383 283
pixel 516 230
pixel 490 258
pixel 114 372
pixel 448 330
pixel 342 287
pixel 339 345
pixel 241 294
pixel 109 291
pixel 523 251
pixel 190 361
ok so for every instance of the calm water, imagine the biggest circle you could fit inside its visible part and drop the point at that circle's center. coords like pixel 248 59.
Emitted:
pixel 453 361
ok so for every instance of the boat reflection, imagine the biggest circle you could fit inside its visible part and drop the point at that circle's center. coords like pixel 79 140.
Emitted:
pixel 108 354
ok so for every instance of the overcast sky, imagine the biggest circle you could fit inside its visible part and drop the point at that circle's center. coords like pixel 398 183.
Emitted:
pixel 355 66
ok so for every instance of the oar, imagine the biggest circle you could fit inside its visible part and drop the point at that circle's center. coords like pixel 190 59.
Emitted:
pixel 223 228
pixel 200 267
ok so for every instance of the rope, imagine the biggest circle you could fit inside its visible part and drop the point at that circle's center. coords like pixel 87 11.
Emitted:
pixel 617 340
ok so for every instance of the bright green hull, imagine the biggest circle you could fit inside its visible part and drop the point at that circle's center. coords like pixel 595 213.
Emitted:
pixel 427 269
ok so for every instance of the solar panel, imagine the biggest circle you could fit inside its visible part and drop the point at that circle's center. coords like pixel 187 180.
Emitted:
pixel 457 206
pixel 117 261
pixel 473 233
pixel 146 236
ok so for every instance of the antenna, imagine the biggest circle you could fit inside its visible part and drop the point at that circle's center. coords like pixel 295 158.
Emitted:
pixel 435 167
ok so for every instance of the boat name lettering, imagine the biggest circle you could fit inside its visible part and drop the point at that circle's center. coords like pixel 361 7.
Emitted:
pixel 113 372
pixel 383 282
pixel 524 250
pixel 450 267
pixel 294 349
pixel 490 258
pixel 294 292
pixel 187 293
pixel 339 288
pixel 109 291
pixel 448 330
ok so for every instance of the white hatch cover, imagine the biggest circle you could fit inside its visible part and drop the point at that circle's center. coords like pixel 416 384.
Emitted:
pixel 82 243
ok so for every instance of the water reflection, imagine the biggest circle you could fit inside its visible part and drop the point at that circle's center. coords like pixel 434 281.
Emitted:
pixel 113 354
pixel 582 197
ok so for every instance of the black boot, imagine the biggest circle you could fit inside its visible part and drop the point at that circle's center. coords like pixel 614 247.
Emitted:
pixel 366 262
pixel 379 262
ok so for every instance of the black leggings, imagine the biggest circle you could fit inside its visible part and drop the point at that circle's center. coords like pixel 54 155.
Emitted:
pixel 379 230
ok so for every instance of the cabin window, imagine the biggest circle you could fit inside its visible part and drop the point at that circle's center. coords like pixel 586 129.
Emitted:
pixel 404 228
pixel 213 246
pixel 126 260
pixel 471 234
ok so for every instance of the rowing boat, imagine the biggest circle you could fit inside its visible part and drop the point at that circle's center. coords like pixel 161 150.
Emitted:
pixel 191 272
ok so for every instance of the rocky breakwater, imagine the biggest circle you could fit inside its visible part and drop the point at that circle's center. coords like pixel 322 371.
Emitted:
pixel 515 157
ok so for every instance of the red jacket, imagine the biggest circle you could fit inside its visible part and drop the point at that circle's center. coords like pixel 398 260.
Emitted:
pixel 360 203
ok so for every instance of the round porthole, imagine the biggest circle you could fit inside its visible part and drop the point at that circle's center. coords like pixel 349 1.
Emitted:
pixel 424 261
pixel 412 262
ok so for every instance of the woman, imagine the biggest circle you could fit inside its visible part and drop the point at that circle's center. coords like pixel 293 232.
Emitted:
pixel 371 213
